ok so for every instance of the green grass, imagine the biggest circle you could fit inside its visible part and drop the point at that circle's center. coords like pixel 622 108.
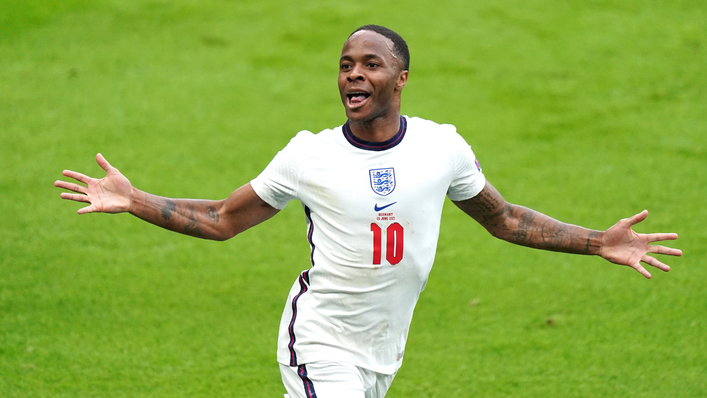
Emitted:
pixel 589 111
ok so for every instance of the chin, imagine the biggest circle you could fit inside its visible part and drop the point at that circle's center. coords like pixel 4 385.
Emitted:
pixel 362 115
pixel 356 115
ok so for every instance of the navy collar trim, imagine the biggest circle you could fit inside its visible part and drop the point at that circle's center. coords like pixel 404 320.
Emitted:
pixel 375 146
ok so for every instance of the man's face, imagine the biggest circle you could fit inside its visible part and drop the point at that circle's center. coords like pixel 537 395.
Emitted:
pixel 370 77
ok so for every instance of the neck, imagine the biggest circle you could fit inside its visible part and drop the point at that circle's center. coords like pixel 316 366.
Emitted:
pixel 375 145
pixel 377 130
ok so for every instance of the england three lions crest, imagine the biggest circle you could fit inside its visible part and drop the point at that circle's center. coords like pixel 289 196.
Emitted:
pixel 382 181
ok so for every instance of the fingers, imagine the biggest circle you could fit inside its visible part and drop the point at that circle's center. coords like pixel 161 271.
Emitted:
pixel 75 197
pixel 76 176
pixel 664 250
pixel 87 209
pixel 660 237
pixel 70 186
pixel 638 218
pixel 652 261
pixel 79 198
pixel 638 267
pixel 84 178
pixel 103 162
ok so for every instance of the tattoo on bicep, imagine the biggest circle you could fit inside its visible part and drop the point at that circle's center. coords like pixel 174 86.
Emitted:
pixel 169 208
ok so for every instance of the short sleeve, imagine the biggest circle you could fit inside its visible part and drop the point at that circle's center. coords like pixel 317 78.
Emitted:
pixel 278 183
pixel 468 179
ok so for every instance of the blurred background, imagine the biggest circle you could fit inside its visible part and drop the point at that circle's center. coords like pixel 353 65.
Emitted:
pixel 589 111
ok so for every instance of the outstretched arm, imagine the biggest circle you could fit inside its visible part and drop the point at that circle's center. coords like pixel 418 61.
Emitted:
pixel 208 219
pixel 527 227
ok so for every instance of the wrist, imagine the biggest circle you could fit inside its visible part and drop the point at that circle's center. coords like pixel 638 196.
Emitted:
pixel 136 199
pixel 595 243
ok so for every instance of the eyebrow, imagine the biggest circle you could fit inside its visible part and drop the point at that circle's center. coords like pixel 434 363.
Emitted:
pixel 367 56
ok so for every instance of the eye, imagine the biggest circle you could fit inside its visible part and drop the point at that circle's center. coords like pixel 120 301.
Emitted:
pixel 372 65
pixel 345 66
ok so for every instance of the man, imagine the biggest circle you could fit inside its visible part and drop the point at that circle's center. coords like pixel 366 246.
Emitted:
pixel 372 191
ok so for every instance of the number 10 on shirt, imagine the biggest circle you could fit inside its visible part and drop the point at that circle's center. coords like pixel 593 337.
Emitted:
pixel 393 240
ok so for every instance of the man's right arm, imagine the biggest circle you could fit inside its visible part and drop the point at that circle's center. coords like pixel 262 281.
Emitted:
pixel 207 219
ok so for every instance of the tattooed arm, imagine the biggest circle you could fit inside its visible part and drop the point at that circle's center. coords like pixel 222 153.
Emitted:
pixel 526 227
pixel 207 219
pixel 523 226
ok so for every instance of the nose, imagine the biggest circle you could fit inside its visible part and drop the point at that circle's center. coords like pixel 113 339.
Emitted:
pixel 355 74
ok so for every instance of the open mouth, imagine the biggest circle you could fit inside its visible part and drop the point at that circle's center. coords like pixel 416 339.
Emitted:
pixel 357 98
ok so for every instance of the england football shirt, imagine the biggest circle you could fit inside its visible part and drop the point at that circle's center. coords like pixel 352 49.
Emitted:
pixel 373 214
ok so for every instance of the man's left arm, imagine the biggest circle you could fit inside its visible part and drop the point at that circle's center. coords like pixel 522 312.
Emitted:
pixel 520 225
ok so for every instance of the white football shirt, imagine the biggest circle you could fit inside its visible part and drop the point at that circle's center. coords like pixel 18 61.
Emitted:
pixel 373 216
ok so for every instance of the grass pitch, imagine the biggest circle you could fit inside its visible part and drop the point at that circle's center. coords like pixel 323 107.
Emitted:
pixel 587 111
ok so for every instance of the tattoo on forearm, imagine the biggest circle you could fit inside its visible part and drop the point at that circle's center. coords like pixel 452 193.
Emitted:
pixel 554 235
pixel 192 228
pixel 169 208
pixel 486 205
pixel 213 215
pixel 520 235
pixel 588 247
pixel 192 217
pixel 528 227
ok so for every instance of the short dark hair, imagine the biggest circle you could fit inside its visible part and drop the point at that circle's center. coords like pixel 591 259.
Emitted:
pixel 400 48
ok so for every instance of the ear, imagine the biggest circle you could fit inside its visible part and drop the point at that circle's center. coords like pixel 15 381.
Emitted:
pixel 402 79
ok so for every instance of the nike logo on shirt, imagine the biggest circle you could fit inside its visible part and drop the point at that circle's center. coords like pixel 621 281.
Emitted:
pixel 376 208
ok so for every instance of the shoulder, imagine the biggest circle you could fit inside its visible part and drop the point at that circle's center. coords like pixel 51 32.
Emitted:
pixel 415 122
pixel 430 131
pixel 305 141
pixel 301 139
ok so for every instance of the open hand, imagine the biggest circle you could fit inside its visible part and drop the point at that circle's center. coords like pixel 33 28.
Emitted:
pixel 621 245
pixel 111 194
